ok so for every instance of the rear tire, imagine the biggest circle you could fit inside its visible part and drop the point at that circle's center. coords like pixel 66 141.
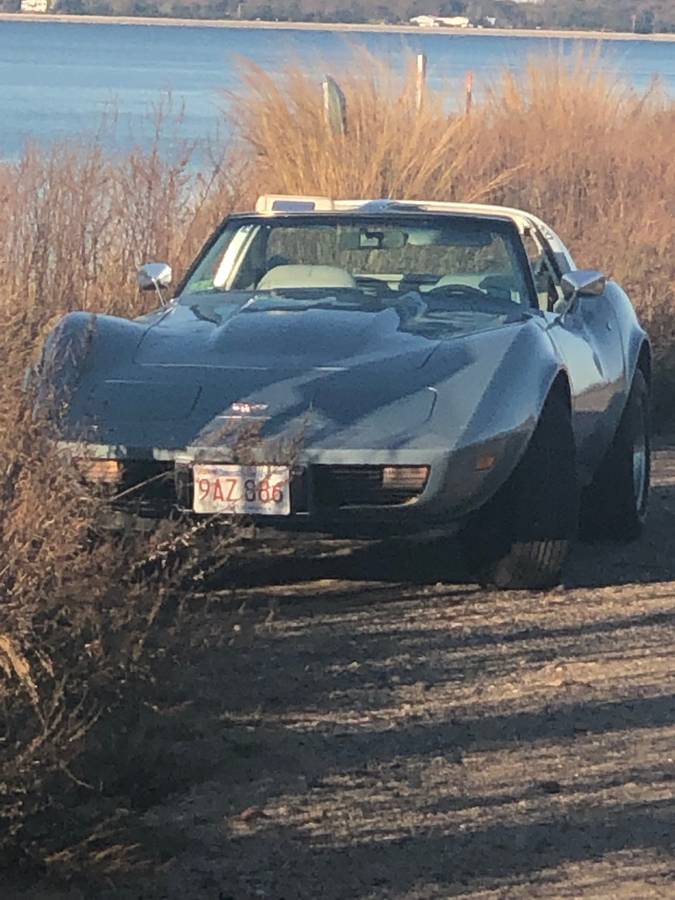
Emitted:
pixel 614 505
pixel 521 538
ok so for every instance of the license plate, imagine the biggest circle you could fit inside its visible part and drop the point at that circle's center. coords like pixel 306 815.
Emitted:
pixel 244 490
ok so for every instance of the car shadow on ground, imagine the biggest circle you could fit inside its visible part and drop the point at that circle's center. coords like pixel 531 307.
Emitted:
pixel 649 559
pixel 507 855
pixel 392 561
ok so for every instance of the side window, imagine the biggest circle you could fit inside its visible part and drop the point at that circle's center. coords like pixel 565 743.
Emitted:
pixel 546 280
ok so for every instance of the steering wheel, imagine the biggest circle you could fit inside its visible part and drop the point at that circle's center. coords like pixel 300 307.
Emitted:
pixel 465 289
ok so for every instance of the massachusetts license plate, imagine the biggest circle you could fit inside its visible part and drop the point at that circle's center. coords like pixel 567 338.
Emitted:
pixel 244 490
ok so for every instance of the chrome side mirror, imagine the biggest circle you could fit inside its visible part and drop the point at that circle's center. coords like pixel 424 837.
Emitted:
pixel 583 283
pixel 154 277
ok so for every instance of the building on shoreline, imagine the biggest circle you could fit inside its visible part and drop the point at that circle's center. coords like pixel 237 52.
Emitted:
pixel 36 6
pixel 441 21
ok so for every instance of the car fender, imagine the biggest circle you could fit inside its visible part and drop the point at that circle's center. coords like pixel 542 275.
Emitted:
pixel 635 340
pixel 80 341
pixel 490 407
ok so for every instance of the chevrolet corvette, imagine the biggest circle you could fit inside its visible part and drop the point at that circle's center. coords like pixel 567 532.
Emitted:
pixel 370 368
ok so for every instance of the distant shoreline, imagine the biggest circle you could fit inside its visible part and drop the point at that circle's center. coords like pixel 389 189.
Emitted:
pixel 330 26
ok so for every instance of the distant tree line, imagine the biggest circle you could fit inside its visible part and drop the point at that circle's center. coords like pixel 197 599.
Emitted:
pixel 640 16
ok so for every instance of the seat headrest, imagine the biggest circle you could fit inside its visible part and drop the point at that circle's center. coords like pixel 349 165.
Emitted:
pixel 469 280
pixel 306 277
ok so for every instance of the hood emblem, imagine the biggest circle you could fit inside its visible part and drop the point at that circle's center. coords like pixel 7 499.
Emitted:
pixel 248 409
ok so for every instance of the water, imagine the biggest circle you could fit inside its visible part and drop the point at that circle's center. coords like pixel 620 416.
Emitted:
pixel 58 80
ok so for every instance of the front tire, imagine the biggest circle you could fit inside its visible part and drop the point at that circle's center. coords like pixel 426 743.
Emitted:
pixel 614 505
pixel 521 538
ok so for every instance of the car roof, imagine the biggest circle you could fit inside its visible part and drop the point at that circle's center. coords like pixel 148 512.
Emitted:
pixel 282 204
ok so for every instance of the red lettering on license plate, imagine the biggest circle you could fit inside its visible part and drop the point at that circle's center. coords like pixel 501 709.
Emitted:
pixel 242 489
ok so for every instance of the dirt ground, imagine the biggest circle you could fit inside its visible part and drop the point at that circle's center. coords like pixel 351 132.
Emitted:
pixel 366 730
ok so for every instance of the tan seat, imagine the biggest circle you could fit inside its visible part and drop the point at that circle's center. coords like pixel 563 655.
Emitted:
pixel 468 280
pixel 305 277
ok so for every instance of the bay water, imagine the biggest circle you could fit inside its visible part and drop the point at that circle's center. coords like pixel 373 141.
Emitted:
pixel 74 80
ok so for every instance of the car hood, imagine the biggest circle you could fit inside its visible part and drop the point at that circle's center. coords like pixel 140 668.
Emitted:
pixel 244 337
pixel 178 379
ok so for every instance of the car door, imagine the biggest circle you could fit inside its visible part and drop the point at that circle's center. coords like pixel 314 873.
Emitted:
pixel 587 337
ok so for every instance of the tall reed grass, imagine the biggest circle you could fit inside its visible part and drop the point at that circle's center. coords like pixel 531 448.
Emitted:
pixel 566 141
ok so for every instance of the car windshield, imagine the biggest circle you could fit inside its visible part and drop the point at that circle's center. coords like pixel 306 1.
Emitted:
pixel 431 252
pixel 427 267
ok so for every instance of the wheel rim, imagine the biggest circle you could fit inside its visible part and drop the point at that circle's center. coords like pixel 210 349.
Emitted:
pixel 640 464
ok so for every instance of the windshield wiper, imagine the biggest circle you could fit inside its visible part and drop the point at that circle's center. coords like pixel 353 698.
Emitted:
pixel 282 304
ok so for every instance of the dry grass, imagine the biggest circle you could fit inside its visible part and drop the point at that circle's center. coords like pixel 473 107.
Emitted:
pixel 598 163
pixel 584 152
pixel 391 147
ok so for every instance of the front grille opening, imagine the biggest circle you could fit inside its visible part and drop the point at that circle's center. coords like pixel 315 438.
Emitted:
pixel 147 488
pixel 344 486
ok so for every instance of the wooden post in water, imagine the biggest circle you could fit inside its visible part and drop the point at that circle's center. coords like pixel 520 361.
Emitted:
pixel 334 106
pixel 420 80
pixel 468 88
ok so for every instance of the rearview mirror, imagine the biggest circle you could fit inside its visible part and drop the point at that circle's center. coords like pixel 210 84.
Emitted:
pixel 371 239
pixel 583 283
pixel 153 276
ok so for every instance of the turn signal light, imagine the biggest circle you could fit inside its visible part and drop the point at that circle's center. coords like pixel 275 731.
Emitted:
pixel 100 471
pixel 412 477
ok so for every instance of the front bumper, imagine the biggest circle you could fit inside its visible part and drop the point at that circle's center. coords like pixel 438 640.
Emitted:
pixel 331 492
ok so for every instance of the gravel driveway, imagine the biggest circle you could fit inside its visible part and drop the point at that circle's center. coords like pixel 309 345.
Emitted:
pixel 367 730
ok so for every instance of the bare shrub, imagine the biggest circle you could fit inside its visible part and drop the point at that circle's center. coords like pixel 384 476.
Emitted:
pixel 77 223
pixel 55 617
pixel 83 621
pixel 76 613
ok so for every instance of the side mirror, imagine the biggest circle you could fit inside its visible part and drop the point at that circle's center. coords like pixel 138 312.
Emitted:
pixel 153 276
pixel 583 283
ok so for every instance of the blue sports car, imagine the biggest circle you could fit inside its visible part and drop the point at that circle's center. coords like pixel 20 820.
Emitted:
pixel 371 368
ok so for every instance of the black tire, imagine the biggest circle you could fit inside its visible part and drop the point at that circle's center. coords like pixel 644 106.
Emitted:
pixel 614 505
pixel 521 538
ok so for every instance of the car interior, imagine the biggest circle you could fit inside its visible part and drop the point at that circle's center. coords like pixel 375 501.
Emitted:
pixel 446 263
